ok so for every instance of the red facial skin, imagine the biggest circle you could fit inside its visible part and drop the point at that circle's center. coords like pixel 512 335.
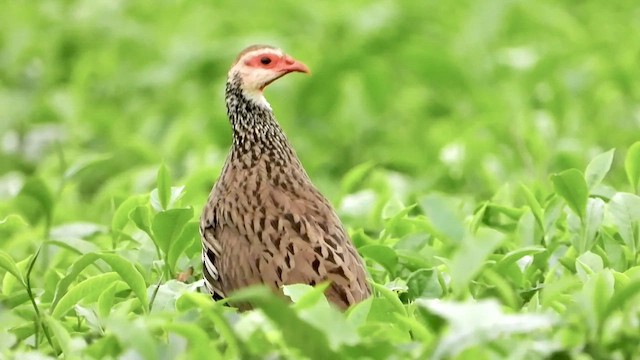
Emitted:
pixel 278 64
pixel 284 63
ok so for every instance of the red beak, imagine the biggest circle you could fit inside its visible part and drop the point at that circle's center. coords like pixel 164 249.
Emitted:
pixel 293 65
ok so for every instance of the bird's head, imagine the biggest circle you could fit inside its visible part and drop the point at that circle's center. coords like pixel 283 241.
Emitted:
pixel 259 65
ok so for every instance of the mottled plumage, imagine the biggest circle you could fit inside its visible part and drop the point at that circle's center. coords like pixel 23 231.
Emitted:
pixel 265 222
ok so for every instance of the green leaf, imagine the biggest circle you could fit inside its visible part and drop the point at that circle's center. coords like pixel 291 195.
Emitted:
pixel 141 216
pixel 598 168
pixel 72 274
pixel 85 163
pixel 534 205
pixel 7 263
pixel 391 297
pixel 164 186
pixel 615 252
pixel 127 272
pixel 602 290
pixel 200 346
pixel 304 296
pixel 353 179
pixel 77 246
pixel 588 264
pixel 296 332
pixel 502 287
pixel 570 184
pixel 168 225
pixel 313 308
pixel 35 200
pixel 134 336
pixel 595 216
pixel 424 283
pixel 511 212
pixel 107 300
pixel 632 166
pixel 621 297
pixel 76 230
pixel 443 216
pixel 479 216
pixel 624 209
pixel 528 231
pixel 121 215
pixel 395 216
pixel 515 255
pixel 189 235
pixel 474 323
pixel 211 311
pixel 470 257
pixel 418 330
pixel 359 312
pixel 381 254
pixel 413 260
pixel 412 242
pixel 104 347
pixel 92 286
pixel 61 335
pixel 7 339
pixel 11 284
pixel 12 224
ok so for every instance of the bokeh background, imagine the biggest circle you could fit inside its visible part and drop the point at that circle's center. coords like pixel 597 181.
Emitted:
pixel 406 97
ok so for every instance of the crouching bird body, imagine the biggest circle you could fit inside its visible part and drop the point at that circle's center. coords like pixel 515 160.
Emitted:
pixel 265 222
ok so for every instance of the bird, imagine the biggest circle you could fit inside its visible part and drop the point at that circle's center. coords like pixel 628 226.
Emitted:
pixel 264 221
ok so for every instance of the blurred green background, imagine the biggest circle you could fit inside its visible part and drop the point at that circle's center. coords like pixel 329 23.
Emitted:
pixel 459 97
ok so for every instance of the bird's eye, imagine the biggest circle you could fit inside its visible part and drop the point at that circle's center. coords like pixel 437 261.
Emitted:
pixel 265 61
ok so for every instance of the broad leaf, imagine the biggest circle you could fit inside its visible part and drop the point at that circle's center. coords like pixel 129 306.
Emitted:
pixel 296 332
pixel 168 225
pixel 35 201
pixel 91 287
pixel 443 216
pixel 200 345
pixel 164 186
pixel 598 168
pixel 534 205
pixel 594 218
pixel 189 235
pixel 424 283
pixel 7 263
pixel 477 322
pixel 570 184
pixel 141 216
pixel 588 264
pixel 61 334
pixel 381 254
pixel 127 272
pixel 121 216
pixel 470 257
pixel 515 255
pixel 632 166
pixel 624 209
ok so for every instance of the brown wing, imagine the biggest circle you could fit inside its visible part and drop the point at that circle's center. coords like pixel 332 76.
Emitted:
pixel 288 238
pixel 211 251
pixel 318 248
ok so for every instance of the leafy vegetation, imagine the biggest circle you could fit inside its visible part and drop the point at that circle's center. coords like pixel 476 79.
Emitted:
pixel 484 156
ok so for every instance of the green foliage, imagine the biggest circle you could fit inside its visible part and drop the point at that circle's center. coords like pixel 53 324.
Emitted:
pixel 510 129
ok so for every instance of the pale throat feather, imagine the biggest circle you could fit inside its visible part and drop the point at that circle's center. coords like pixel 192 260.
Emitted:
pixel 257 96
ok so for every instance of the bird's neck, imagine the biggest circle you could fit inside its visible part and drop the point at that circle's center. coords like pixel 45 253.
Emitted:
pixel 256 133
